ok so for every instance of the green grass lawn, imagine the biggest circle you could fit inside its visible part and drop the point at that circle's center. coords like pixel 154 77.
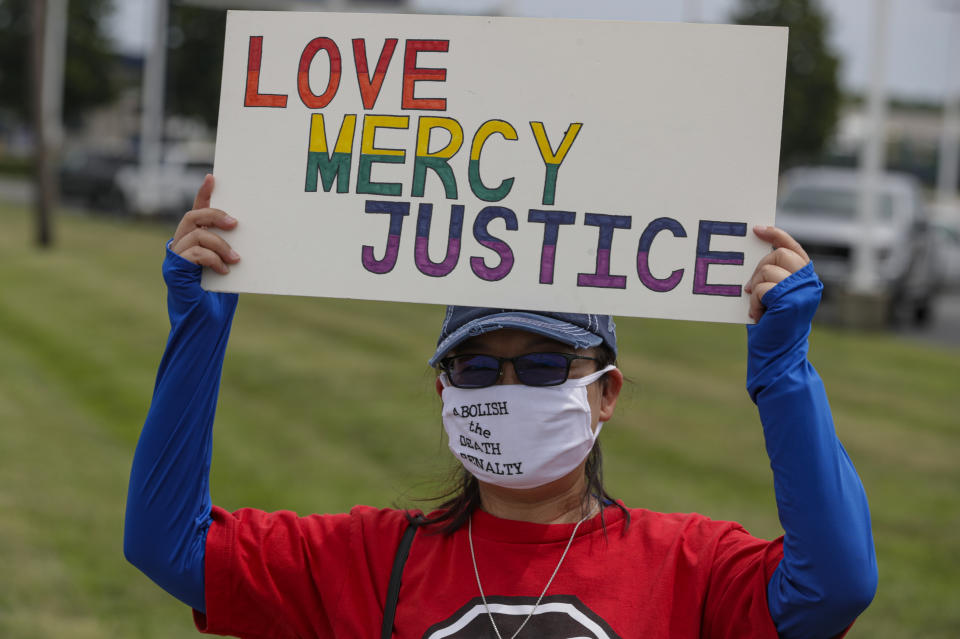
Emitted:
pixel 328 403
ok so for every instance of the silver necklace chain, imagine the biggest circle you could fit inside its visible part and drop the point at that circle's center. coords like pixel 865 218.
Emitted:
pixel 545 588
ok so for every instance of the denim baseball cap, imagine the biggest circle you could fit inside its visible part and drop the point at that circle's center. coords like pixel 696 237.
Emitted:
pixel 575 329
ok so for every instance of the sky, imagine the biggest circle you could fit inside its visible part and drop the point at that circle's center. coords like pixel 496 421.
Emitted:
pixel 918 32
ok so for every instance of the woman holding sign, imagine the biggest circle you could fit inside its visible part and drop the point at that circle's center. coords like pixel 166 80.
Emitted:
pixel 531 544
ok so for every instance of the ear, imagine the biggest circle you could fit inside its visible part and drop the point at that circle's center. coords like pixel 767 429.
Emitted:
pixel 439 387
pixel 610 388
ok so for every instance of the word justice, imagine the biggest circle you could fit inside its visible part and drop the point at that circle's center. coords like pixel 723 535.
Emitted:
pixel 499 266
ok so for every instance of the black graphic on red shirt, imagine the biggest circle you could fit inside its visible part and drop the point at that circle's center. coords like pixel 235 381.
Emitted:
pixel 557 617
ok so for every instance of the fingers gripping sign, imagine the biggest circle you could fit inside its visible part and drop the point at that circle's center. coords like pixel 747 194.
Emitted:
pixel 787 258
pixel 195 241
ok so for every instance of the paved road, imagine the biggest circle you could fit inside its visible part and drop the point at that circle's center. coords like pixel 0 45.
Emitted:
pixel 17 190
pixel 944 329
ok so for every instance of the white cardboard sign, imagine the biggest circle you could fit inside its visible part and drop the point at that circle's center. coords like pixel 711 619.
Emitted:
pixel 566 165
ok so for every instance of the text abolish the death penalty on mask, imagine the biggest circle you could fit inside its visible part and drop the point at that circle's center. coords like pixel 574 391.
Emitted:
pixel 521 436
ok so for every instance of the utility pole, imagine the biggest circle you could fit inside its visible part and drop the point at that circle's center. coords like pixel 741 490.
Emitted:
pixel 692 11
pixel 152 102
pixel 48 54
pixel 864 278
pixel 948 160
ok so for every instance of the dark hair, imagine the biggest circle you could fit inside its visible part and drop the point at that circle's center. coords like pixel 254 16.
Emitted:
pixel 462 494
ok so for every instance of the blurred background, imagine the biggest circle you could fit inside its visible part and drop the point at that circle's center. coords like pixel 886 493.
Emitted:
pixel 108 114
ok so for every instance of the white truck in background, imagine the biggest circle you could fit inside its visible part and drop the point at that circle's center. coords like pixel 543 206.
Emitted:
pixel 169 187
pixel 818 207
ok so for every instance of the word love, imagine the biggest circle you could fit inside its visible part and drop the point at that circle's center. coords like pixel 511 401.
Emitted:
pixel 369 85
pixel 500 265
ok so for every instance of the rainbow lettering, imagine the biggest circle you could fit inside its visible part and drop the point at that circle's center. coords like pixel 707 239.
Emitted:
pixel 706 257
pixel 643 255
pixel 551 221
pixel 498 246
pixel 252 96
pixel 602 277
pixel 485 130
pixel 369 154
pixel 370 87
pixel 438 161
pixel 397 211
pixel 421 251
pixel 310 99
pixel 553 160
pixel 330 165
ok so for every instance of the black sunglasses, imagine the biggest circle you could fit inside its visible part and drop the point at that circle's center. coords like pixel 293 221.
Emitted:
pixel 533 369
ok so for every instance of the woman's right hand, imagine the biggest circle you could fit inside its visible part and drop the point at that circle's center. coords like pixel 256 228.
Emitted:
pixel 194 241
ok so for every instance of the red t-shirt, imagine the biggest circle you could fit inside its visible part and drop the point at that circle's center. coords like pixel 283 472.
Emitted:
pixel 666 576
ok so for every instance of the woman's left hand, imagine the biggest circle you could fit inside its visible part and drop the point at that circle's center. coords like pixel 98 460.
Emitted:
pixel 787 258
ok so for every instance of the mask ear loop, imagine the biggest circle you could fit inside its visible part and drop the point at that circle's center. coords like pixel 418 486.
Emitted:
pixel 586 380
pixel 594 377
pixel 444 380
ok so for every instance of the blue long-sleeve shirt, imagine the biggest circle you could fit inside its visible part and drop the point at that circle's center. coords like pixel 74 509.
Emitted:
pixel 168 500
pixel 828 572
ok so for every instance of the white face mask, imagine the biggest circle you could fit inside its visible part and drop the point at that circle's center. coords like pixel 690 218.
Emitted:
pixel 520 436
